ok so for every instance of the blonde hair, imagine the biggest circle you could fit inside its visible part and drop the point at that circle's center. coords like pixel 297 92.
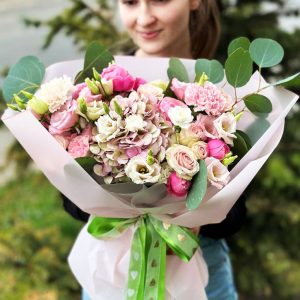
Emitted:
pixel 205 29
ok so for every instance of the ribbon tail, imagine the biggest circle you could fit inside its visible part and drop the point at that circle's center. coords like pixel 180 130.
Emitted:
pixel 137 264
pixel 156 265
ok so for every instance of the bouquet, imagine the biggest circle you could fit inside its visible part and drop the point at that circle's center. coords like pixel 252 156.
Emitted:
pixel 148 156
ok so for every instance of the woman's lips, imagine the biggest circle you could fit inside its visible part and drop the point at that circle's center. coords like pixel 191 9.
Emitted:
pixel 149 35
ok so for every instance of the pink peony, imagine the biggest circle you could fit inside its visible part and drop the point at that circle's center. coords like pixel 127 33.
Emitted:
pixel 137 82
pixel 168 102
pixel 177 186
pixel 122 80
pixel 63 119
pixel 217 149
pixel 179 88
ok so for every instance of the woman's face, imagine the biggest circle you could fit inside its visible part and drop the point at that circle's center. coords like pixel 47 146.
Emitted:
pixel 158 27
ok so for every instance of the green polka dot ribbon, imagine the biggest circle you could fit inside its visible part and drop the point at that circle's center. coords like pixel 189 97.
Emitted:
pixel 147 266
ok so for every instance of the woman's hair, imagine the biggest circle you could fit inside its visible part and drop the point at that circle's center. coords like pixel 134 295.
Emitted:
pixel 205 29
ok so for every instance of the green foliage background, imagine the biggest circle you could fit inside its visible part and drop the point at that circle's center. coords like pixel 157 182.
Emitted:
pixel 36 234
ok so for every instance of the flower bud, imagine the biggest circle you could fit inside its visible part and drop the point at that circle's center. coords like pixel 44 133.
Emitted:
pixel 160 83
pixel 19 101
pixel 203 79
pixel 92 86
pixel 38 106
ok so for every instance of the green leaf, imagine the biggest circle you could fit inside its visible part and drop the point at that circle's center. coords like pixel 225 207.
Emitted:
pixel 96 56
pixel 177 70
pixel 27 74
pixel 212 68
pixel 286 80
pixel 198 189
pixel 238 68
pixel 242 144
pixel 87 163
pixel 266 52
pixel 258 103
pixel 241 42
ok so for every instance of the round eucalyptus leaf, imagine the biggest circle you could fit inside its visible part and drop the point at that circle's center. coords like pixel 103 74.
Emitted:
pixel 177 70
pixel 241 42
pixel 258 103
pixel 238 68
pixel 27 74
pixel 266 52
pixel 212 68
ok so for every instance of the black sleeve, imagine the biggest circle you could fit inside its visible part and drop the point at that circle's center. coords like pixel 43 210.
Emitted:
pixel 73 210
pixel 230 225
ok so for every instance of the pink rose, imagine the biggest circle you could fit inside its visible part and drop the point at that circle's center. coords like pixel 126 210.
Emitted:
pixel 122 81
pixel 177 186
pixel 168 102
pixel 217 149
pixel 178 88
pixel 63 119
pixel 79 146
pixel 137 82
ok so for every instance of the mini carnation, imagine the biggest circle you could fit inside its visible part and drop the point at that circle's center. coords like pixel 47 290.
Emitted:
pixel 56 92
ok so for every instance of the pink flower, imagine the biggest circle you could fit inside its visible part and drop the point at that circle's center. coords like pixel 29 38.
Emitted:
pixel 63 119
pixel 204 127
pixel 78 88
pixel 217 149
pixel 217 174
pixel 137 82
pixel 207 98
pixel 122 81
pixel 88 96
pixel 79 145
pixel 177 186
pixel 133 151
pixel 168 102
pixel 178 88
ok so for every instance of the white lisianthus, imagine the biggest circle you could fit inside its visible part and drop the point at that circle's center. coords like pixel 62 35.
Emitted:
pixel 217 173
pixel 106 87
pixel 226 127
pixel 140 172
pixel 183 161
pixel 135 123
pixel 149 90
pixel 95 110
pixel 108 128
pixel 56 92
pixel 180 116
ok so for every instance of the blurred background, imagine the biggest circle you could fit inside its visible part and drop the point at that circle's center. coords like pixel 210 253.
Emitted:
pixel 36 234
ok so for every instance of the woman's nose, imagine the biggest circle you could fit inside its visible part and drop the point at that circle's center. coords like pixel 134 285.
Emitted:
pixel 145 16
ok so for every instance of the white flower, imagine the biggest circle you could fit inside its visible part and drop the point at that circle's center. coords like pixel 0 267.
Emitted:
pixel 180 116
pixel 146 90
pixel 135 123
pixel 108 127
pixel 226 126
pixel 56 92
pixel 217 173
pixel 95 110
pixel 183 161
pixel 140 172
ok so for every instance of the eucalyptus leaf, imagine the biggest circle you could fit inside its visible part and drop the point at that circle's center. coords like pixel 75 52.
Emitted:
pixel 266 52
pixel 96 56
pixel 198 189
pixel 177 70
pixel 286 80
pixel 242 144
pixel 238 68
pixel 257 103
pixel 212 68
pixel 27 74
pixel 241 42
pixel 87 163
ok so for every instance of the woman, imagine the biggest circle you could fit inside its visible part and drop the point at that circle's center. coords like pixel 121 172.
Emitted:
pixel 186 29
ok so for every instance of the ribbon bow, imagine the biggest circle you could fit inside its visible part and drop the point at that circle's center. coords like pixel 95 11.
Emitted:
pixel 147 266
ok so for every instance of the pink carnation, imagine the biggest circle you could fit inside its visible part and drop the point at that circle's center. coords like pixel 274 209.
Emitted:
pixel 122 80
pixel 79 145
